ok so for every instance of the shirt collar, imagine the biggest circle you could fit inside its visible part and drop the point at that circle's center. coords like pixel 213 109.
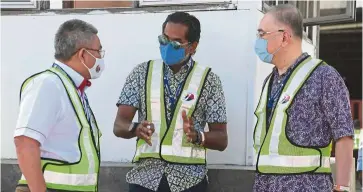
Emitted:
pixel 300 59
pixel 78 79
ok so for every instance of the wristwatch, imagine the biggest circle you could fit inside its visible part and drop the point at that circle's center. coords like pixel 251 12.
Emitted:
pixel 340 188
pixel 133 127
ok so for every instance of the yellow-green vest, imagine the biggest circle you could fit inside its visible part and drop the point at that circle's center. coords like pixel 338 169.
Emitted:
pixel 169 141
pixel 356 138
pixel 83 174
pixel 276 154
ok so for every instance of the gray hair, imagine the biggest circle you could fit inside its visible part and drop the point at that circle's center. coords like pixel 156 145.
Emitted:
pixel 289 15
pixel 71 36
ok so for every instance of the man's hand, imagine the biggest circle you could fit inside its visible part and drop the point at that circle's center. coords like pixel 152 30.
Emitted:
pixel 188 127
pixel 144 131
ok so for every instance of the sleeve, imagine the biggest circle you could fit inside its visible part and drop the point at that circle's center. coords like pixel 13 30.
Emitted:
pixel 216 105
pixel 130 94
pixel 336 105
pixel 39 109
pixel 360 153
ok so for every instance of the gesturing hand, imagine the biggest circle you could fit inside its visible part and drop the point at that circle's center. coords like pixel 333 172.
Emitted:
pixel 188 127
pixel 144 131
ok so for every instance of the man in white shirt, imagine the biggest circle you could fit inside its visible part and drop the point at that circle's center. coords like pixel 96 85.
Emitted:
pixel 56 136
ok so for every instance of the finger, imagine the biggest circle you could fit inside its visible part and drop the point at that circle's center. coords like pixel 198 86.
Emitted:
pixel 145 123
pixel 146 131
pixel 184 116
pixel 191 124
pixel 152 128
pixel 190 134
pixel 148 141
pixel 144 136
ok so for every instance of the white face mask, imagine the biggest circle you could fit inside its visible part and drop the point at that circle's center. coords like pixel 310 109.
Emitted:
pixel 97 69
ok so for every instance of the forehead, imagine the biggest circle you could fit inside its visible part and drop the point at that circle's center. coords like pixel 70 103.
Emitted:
pixel 268 23
pixel 175 31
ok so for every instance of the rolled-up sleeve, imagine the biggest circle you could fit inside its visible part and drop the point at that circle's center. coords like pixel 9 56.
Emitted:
pixel 216 104
pixel 39 109
pixel 336 105
pixel 130 94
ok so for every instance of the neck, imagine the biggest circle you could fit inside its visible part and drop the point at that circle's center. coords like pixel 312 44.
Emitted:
pixel 287 60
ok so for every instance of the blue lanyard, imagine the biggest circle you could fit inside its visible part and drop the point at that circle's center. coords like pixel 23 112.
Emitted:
pixel 172 97
pixel 272 98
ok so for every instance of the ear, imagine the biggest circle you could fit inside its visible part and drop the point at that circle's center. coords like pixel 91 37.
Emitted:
pixel 80 55
pixel 286 39
pixel 193 48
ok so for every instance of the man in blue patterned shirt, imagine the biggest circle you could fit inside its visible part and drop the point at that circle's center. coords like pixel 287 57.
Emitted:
pixel 175 98
pixel 304 105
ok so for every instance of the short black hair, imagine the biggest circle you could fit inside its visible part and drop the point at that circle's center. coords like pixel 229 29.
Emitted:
pixel 193 24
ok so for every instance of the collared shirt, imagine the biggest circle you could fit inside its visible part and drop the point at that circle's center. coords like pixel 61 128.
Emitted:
pixel 46 115
pixel 319 113
pixel 210 109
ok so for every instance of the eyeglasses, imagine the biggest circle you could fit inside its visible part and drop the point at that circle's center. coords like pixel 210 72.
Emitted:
pixel 100 51
pixel 261 33
pixel 164 41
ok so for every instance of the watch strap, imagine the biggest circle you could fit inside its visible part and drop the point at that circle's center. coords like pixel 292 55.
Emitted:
pixel 341 188
pixel 133 127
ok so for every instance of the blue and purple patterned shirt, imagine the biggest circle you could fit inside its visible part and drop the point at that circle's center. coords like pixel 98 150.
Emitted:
pixel 320 112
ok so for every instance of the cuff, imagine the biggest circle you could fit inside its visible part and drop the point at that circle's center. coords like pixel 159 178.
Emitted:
pixel 31 133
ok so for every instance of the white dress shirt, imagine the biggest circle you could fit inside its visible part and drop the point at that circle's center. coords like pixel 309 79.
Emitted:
pixel 46 115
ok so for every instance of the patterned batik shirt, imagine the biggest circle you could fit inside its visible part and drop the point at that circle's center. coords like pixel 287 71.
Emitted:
pixel 320 112
pixel 210 109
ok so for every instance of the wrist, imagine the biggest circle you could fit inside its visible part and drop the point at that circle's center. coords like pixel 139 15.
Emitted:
pixel 199 140
pixel 133 126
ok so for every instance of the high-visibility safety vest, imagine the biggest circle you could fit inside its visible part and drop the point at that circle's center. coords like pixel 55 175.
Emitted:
pixel 276 153
pixel 356 138
pixel 169 142
pixel 83 174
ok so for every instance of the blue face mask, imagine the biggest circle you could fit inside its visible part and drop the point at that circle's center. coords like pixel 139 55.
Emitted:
pixel 261 50
pixel 170 55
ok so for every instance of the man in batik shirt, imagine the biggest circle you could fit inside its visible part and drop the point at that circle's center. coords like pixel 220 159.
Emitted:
pixel 304 105
pixel 175 98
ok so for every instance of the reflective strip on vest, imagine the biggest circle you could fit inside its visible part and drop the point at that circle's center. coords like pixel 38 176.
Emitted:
pixel 174 145
pixel 294 161
pixel 69 179
pixel 83 175
pixel 275 152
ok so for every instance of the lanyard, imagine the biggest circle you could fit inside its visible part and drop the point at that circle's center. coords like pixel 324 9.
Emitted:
pixel 272 98
pixel 173 97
